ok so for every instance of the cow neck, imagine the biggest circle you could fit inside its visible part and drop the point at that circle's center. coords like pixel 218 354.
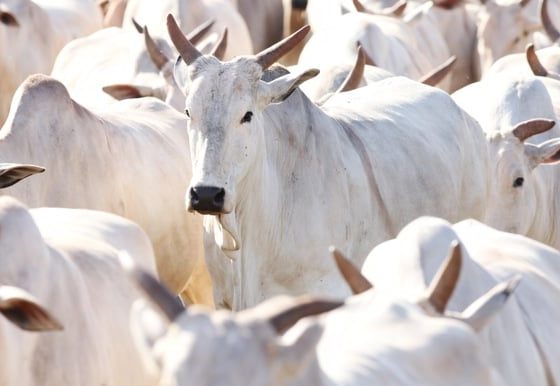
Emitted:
pixel 290 157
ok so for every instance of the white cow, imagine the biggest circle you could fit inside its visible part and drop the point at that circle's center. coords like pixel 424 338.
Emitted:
pixel 68 260
pixel 258 163
pixel 521 340
pixel 190 14
pixel 523 195
pixel 371 340
pixel 115 64
pixel 131 159
pixel 392 44
pixel 31 35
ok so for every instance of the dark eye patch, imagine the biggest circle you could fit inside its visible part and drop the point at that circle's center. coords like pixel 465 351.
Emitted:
pixel 247 117
pixel 518 182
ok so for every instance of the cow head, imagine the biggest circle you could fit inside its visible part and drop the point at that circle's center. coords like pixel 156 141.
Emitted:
pixel 502 30
pixel 513 198
pixel 224 107
pixel 196 347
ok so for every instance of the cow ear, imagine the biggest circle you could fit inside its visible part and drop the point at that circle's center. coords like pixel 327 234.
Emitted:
pixel 295 350
pixel 128 91
pixel 23 310
pixel 483 310
pixel 281 88
pixel 547 152
pixel 13 173
pixel 147 327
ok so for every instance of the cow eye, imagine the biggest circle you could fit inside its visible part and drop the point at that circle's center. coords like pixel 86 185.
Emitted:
pixel 188 113
pixel 518 182
pixel 8 19
pixel 247 117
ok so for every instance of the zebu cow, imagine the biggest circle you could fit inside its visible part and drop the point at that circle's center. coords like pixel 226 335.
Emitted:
pixel 258 163
pixel 116 64
pixel 31 35
pixel 521 339
pixel 192 13
pixel 391 340
pixel 391 43
pixel 131 159
pixel 67 260
pixel 518 116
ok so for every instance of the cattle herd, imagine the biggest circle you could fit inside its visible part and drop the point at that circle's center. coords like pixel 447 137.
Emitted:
pixel 280 192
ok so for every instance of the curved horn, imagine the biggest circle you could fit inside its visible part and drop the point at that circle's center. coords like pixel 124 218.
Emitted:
pixel 352 275
pixel 304 307
pixel 270 55
pixel 396 10
pixel 137 25
pixel 359 6
pixel 536 66
pixel 444 282
pixel 549 27
pixel 354 78
pixel 368 59
pixel 532 127
pixel 159 59
pixel 196 35
pixel 219 49
pixel 188 52
pixel 447 4
pixel 160 295
pixel 437 75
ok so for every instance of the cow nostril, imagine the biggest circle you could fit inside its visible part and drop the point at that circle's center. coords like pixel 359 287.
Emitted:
pixel 219 197
pixel 194 197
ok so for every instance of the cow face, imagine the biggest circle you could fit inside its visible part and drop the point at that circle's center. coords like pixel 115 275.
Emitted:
pixel 513 196
pixel 225 106
pixel 503 30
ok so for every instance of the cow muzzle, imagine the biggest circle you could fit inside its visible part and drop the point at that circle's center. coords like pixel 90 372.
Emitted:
pixel 207 199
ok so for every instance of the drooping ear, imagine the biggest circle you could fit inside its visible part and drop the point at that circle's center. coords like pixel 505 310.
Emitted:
pixel 128 91
pixel 281 88
pixel 482 310
pixel 295 350
pixel 13 173
pixel 547 152
pixel 147 328
pixel 23 310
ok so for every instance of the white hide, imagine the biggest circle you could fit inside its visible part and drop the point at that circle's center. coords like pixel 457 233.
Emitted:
pixel 130 159
pixel 499 103
pixel 190 14
pixel 33 34
pixel 392 44
pixel 264 19
pixel 68 260
pixel 516 64
pixel 520 339
pixel 277 223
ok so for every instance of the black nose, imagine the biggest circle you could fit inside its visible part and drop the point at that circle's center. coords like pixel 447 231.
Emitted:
pixel 207 199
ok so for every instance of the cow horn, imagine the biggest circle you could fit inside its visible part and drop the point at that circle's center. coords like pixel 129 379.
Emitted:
pixel 396 10
pixel 359 6
pixel 447 4
pixel 534 62
pixel 437 75
pixel 188 52
pixel 354 78
pixel 137 26
pixel 159 59
pixel 196 35
pixel 352 275
pixel 444 282
pixel 549 27
pixel 219 50
pixel 304 307
pixel 532 127
pixel 160 295
pixel 270 55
